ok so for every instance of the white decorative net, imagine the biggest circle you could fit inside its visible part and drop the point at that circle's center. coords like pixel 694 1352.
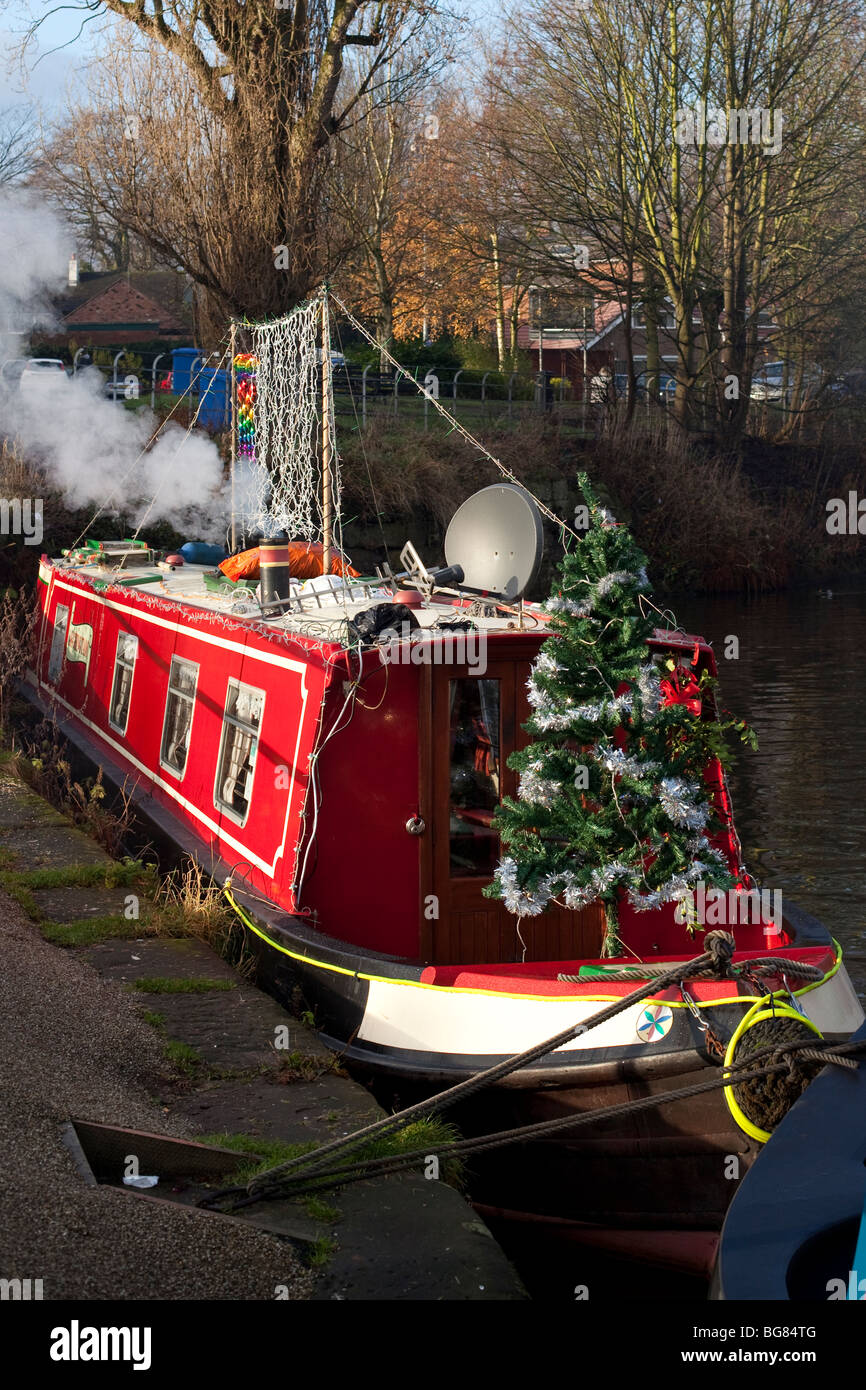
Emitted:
pixel 282 490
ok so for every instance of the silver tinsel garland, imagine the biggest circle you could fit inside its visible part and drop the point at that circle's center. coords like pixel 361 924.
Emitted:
pixel 519 901
pixel 557 604
pixel 616 761
pixel 649 686
pixel 550 716
pixel 678 801
pixel 529 902
pixel 583 608
pixel 535 789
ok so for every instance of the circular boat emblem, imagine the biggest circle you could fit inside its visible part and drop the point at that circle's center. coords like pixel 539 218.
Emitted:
pixel 654 1022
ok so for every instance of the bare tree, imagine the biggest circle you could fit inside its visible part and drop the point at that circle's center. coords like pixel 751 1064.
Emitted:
pixel 18 144
pixel 380 192
pixel 77 170
pixel 650 123
pixel 220 118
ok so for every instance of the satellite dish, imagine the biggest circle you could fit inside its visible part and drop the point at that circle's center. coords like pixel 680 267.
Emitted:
pixel 496 539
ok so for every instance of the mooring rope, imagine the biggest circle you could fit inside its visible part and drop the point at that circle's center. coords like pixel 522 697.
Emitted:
pixel 763 965
pixel 322 1178
pixel 717 957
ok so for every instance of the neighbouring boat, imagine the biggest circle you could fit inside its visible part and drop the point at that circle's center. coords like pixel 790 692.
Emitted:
pixel 346 784
pixel 796 1229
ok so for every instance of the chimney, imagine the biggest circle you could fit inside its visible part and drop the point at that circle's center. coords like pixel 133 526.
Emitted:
pixel 72 280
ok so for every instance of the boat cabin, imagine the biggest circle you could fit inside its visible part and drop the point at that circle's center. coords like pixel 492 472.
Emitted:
pixel 353 787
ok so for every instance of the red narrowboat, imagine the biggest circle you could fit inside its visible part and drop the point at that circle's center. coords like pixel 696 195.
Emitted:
pixel 345 779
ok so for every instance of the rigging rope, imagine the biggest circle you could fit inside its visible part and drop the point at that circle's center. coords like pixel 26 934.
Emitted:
pixel 783 1059
pixel 455 424
pixel 380 1167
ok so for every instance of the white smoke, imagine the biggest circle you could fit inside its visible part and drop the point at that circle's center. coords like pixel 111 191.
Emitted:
pixel 93 450
pixel 34 252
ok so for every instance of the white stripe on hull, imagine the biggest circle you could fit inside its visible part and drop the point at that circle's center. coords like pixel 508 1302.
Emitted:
pixel 467 1024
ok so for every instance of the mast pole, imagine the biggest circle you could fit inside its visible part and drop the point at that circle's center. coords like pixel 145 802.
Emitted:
pixel 326 439
pixel 234 434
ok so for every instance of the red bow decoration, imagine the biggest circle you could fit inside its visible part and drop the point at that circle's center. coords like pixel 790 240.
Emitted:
pixel 682 689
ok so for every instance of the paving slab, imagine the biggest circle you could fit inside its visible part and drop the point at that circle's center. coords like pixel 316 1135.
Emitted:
pixel 67 904
pixel 302 1112
pixel 20 805
pixel 236 1029
pixel 177 957
pixel 74 1045
pixel 41 846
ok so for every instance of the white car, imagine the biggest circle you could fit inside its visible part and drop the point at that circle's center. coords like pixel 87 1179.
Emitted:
pixel 768 384
pixel 40 375
pixel 337 358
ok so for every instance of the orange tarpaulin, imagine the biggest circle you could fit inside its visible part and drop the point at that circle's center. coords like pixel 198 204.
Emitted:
pixel 305 562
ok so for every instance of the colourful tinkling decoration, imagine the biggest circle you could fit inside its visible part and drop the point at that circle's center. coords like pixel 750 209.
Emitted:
pixel 245 365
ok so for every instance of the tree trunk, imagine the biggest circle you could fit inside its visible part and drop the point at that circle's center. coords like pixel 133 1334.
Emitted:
pixel 500 303
pixel 685 360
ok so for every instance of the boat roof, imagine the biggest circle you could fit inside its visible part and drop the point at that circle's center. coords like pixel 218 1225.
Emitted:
pixel 319 611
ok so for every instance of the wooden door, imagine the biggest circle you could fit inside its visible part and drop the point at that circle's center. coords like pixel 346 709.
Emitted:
pixel 476 723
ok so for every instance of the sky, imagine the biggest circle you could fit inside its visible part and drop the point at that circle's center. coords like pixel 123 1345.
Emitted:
pixel 42 77
pixel 60 48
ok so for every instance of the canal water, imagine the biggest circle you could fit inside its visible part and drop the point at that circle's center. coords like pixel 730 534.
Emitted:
pixel 800 801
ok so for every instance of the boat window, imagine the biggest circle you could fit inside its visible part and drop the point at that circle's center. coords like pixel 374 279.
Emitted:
pixel 58 642
pixel 121 688
pixel 474 776
pixel 237 758
pixel 179 706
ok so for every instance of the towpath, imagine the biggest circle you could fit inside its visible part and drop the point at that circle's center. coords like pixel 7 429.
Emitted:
pixel 161 1035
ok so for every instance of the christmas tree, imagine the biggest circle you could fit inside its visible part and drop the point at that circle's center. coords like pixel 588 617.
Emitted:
pixel 611 798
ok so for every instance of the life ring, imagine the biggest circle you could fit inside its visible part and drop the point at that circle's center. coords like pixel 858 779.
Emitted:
pixel 758 1013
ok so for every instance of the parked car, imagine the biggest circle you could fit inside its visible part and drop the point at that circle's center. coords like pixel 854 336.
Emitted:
pixel 768 384
pixel 124 389
pixel 667 385
pixel 41 375
pixel 769 381
pixel 337 358
pixel 851 386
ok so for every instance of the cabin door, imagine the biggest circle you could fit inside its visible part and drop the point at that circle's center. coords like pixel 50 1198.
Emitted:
pixel 476 724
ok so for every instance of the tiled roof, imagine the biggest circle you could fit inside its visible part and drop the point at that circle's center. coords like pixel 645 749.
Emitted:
pixel 121 303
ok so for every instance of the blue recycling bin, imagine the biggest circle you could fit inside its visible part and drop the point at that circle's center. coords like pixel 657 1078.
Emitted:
pixel 182 362
pixel 214 389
